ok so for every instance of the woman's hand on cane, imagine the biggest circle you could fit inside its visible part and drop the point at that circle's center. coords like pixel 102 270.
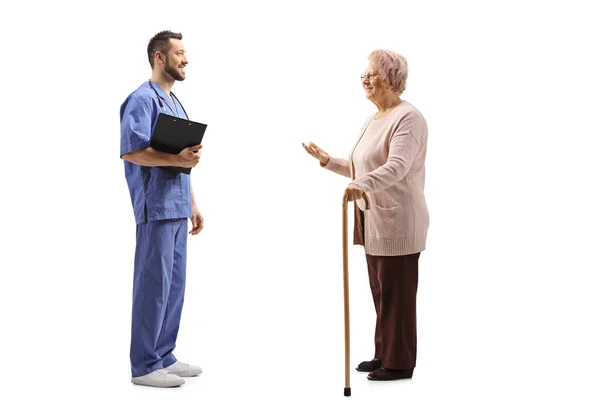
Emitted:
pixel 353 192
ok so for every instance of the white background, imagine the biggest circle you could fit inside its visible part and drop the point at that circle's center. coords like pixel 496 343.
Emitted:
pixel 508 290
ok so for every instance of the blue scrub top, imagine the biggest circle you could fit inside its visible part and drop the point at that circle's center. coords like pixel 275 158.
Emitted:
pixel 156 194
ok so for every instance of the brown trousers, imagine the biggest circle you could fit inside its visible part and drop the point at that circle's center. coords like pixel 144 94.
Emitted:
pixel 394 281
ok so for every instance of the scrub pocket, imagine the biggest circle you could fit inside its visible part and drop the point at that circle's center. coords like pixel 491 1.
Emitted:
pixel 165 191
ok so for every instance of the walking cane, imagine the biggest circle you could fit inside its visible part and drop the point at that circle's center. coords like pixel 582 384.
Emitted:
pixel 346 296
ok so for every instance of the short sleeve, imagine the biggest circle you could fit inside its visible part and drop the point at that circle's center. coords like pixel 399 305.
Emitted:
pixel 136 124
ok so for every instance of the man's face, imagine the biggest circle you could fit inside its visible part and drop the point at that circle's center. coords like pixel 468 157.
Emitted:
pixel 175 60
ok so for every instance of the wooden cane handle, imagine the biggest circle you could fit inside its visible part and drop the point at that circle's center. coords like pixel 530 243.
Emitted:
pixel 365 198
pixel 367 201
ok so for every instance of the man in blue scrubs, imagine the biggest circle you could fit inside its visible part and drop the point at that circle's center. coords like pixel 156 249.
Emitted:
pixel 162 202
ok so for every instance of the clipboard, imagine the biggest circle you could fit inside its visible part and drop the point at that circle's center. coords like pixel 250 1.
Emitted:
pixel 172 134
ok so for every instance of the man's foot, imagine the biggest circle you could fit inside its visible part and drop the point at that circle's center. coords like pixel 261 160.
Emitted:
pixel 184 370
pixel 159 378
pixel 369 366
pixel 383 374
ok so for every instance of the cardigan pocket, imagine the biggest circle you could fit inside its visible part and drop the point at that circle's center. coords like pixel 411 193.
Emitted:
pixel 384 223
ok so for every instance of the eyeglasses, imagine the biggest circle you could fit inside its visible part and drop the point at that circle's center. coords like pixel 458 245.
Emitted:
pixel 368 76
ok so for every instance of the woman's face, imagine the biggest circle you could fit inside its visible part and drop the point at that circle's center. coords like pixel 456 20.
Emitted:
pixel 373 83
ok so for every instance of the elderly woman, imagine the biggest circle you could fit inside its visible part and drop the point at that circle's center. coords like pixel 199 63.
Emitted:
pixel 388 164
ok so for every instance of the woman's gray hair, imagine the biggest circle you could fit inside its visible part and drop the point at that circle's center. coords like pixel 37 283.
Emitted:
pixel 392 67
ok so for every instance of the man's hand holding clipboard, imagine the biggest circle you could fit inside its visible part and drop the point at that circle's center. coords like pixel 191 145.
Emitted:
pixel 190 156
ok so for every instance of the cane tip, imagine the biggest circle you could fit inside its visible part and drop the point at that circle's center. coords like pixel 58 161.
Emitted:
pixel 347 392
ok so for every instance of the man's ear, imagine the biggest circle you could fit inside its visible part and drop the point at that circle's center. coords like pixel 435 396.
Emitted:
pixel 159 57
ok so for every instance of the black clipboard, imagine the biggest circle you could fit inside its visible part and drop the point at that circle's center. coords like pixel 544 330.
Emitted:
pixel 172 134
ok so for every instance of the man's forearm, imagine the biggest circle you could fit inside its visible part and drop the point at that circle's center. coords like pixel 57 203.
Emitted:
pixel 150 157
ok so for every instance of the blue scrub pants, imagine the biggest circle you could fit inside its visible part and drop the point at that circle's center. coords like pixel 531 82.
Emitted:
pixel 158 292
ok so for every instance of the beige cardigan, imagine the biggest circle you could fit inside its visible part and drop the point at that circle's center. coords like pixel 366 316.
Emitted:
pixel 398 220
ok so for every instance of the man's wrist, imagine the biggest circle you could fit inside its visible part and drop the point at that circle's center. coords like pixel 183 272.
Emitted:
pixel 175 160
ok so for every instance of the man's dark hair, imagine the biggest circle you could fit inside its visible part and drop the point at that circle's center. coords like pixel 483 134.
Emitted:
pixel 160 42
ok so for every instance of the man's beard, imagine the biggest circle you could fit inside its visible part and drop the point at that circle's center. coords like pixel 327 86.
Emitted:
pixel 173 71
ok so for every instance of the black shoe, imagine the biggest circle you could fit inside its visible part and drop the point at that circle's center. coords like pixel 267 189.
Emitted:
pixel 383 374
pixel 369 366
